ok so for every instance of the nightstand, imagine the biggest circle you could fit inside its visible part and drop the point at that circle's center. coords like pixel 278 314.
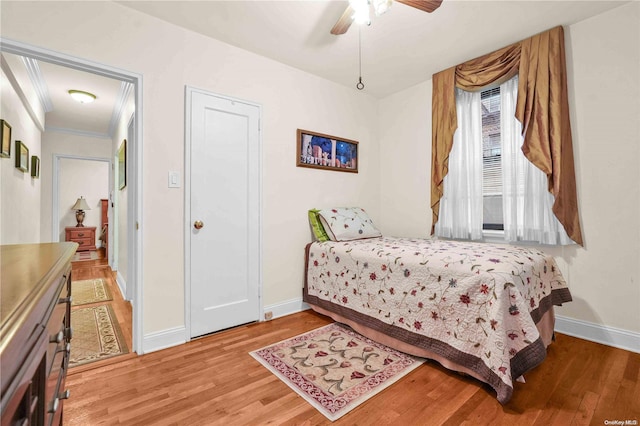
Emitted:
pixel 85 236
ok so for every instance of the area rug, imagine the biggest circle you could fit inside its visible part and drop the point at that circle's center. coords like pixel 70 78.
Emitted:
pixel 96 335
pixel 334 368
pixel 85 255
pixel 84 292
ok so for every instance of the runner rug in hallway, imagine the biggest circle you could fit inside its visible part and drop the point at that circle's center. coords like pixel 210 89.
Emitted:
pixel 85 255
pixel 334 368
pixel 84 292
pixel 96 335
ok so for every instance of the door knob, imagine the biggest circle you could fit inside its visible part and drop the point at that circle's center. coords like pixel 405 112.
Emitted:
pixel 198 224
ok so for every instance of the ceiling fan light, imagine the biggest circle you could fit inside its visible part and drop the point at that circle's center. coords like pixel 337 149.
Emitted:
pixel 381 6
pixel 82 96
pixel 360 11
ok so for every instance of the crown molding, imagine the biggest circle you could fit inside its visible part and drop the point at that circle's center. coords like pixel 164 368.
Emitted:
pixel 76 132
pixel 38 82
pixel 119 106
pixel 23 98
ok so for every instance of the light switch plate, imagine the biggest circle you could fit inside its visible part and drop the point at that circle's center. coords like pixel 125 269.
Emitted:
pixel 174 180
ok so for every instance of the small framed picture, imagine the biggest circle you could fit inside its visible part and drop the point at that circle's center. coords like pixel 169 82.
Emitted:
pixel 122 165
pixel 22 156
pixel 320 151
pixel 5 135
pixel 35 166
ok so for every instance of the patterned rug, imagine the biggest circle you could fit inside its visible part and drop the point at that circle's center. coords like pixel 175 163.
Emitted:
pixel 85 255
pixel 84 292
pixel 96 335
pixel 334 368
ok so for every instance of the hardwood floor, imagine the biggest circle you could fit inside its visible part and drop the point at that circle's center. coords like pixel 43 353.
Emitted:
pixel 214 381
pixel 89 269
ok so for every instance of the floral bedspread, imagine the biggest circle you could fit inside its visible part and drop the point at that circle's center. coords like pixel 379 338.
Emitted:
pixel 481 300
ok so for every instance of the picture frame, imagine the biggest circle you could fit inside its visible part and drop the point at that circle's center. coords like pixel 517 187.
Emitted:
pixel 5 137
pixel 122 165
pixel 321 151
pixel 22 157
pixel 35 167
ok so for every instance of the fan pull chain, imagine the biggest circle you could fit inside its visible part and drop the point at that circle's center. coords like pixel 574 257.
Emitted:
pixel 360 84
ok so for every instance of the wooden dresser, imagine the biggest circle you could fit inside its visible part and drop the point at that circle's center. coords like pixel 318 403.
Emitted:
pixel 85 236
pixel 35 333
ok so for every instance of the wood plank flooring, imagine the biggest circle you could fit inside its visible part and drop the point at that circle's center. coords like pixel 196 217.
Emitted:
pixel 214 381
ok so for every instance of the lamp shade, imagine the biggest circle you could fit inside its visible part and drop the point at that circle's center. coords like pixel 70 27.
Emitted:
pixel 82 96
pixel 81 204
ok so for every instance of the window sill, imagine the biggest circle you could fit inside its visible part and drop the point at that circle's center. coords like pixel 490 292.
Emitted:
pixel 493 236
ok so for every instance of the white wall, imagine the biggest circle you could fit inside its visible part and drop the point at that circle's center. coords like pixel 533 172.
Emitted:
pixel 169 58
pixel 86 178
pixel 19 192
pixel 603 61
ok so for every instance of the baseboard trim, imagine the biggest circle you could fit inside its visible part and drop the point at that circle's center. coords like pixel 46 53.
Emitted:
pixel 287 307
pixel 610 336
pixel 122 284
pixel 163 339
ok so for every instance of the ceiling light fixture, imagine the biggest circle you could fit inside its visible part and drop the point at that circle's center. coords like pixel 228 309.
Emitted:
pixel 381 6
pixel 82 96
pixel 360 11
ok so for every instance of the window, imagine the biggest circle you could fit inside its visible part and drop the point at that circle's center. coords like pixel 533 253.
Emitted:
pixel 492 216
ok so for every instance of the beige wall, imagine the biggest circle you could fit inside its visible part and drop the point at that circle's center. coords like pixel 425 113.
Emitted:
pixel 603 55
pixel 19 192
pixel 170 58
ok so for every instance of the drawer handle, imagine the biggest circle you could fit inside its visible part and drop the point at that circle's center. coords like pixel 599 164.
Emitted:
pixel 65 300
pixel 80 242
pixel 56 338
pixel 81 234
pixel 67 348
pixel 54 405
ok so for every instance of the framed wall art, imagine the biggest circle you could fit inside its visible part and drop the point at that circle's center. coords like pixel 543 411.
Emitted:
pixel 5 136
pixel 320 151
pixel 22 156
pixel 35 166
pixel 122 165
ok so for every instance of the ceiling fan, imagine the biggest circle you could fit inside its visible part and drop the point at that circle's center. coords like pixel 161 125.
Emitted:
pixel 358 11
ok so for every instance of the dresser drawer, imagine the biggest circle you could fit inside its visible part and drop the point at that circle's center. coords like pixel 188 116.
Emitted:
pixel 83 243
pixel 76 234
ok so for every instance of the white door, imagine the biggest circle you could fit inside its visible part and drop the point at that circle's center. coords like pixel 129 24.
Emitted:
pixel 224 208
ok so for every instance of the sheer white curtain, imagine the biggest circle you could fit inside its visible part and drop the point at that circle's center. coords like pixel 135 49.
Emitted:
pixel 461 205
pixel 526 200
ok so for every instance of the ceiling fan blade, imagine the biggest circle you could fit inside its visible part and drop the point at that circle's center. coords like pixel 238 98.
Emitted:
pixel 425 5
pixel 344 22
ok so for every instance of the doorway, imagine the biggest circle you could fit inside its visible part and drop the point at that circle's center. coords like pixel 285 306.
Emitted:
pixel 134 151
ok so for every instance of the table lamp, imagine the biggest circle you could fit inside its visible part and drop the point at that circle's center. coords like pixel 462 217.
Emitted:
pixel 80 206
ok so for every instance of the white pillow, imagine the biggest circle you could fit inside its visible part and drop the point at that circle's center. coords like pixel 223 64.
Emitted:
pixel 347 223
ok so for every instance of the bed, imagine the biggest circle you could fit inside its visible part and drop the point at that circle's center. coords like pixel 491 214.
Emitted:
pixel 482 309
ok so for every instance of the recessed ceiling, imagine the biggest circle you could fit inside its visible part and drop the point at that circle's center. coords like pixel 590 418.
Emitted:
pixel 401 48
